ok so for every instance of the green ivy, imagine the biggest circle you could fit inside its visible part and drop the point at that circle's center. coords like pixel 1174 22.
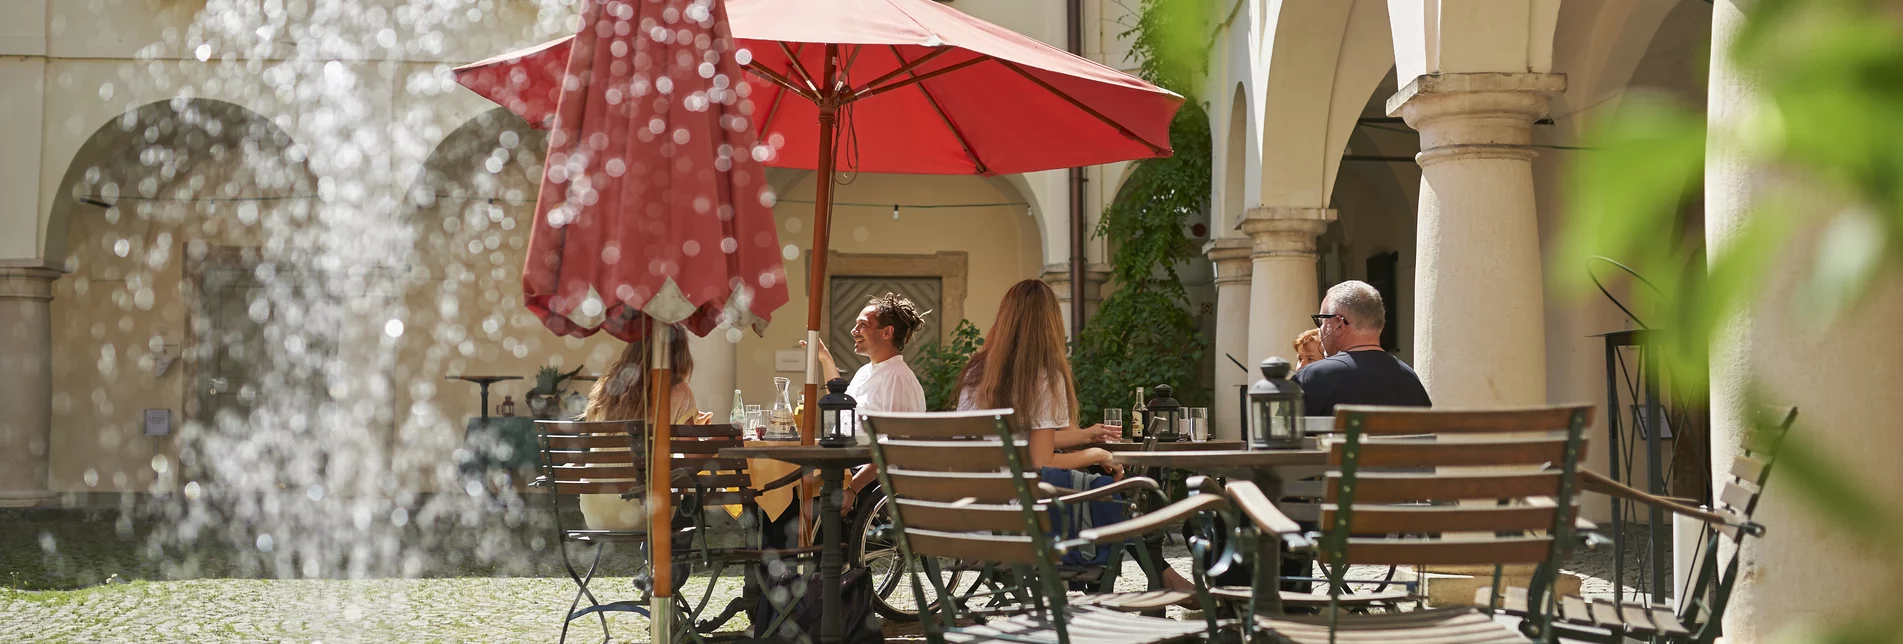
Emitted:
pixel 938 365
pixel 1144 333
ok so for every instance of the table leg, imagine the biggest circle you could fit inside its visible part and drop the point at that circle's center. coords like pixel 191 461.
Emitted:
pixel 1268 569
pixel 485 399
pixel 831 629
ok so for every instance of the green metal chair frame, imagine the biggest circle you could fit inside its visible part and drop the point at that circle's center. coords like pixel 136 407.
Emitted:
pixel 1393 442
pixel 961 489
pixel 583 457
pixel 1700 618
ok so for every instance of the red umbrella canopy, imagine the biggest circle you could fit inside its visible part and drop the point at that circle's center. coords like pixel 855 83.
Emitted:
pixel 929 90
pixel 653 201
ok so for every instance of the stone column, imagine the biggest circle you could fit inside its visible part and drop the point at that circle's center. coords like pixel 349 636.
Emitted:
pixel 1282 277
pixel 1479 309
pixel 713 378
pixel 1231 255
pixel 1058 276
pixel 1843 375
pixel 26 384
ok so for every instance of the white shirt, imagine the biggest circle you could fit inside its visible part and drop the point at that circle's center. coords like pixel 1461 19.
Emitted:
pixel 1049 411
pixel 887 386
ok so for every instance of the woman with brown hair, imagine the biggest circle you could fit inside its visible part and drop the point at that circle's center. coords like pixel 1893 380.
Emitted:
pixel 622 394
pixel 1023 366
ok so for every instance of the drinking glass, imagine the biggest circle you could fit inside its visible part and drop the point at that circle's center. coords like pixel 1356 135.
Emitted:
pixel 1198 418
pixel 756 422
pixel 1113 417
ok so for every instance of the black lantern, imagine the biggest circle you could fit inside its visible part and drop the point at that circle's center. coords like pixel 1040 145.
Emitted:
pixel 1275 406
pixel 838 416
pixel 1165 416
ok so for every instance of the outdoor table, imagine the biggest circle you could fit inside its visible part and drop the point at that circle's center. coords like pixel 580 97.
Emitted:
pixel 1170 446
pixel 1268 468
pixel 506 442
pixel 483 382
pixel 831 463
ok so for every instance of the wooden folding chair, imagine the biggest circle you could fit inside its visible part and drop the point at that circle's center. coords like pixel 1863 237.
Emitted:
pixel 961 489
pixel 1426 487
pixel 1700 617
pixel 610 457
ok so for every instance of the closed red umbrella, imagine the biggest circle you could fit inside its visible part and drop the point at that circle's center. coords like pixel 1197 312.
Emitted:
pixel 654 209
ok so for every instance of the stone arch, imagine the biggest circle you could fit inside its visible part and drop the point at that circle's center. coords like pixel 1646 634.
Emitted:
pixel 168 140
pixel 1233 181
pixel 1606 47
pixel 1318 49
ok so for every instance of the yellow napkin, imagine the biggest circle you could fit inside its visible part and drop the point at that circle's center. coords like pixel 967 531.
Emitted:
pixel 765 470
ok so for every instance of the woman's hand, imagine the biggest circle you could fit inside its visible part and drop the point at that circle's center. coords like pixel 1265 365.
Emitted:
pixel 1101 433
pixel 1101 457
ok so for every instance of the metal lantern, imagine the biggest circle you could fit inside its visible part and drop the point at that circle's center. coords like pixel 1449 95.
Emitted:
pixel 1165 414
pixel 1275 406
pixel 838 416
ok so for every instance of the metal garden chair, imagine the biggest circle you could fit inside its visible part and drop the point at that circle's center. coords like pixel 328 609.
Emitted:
pixel 960 490
pixel 1699 618
pixel 610 457
pixel 1463 488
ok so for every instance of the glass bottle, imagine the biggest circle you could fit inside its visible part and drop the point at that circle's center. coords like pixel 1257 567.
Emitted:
pixel 1138 413
pixel 780 424
pixel 738 416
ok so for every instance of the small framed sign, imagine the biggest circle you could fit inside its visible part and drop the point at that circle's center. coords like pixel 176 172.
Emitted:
pixel 158 422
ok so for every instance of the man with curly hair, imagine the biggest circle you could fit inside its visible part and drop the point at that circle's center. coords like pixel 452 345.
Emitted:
pixel 883 329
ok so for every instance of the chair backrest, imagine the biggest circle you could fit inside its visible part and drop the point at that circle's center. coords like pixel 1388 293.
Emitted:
pixel 699 468
pixel 962 487
pixel 1710 591
pixel 1398 473
pixel 592 457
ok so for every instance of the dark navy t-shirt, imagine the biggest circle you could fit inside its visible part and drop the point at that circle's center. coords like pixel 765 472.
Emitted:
pixel 1359 378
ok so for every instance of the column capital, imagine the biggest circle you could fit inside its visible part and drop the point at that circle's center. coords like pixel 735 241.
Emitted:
pixel 1477 115
pixel 1231 255
pixel 1278 231
pixel 27 282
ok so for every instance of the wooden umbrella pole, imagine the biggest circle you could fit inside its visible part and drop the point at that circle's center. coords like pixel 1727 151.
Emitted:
pixel 660 481
pixel 816 283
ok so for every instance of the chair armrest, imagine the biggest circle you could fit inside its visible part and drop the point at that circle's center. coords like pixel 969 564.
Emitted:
pixel 1203 483
pixel 1164 517
pixel 1265 515
pixel 540 481
pixel 790 478
pixel 1119 487
pixel 1598 483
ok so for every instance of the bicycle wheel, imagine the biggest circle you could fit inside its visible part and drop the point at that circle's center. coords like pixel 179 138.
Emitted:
pixel 891 573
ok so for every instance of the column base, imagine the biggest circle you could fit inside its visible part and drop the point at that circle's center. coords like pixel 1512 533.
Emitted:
pixel 1455 585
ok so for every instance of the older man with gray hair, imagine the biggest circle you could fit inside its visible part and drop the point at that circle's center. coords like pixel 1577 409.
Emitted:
pixel 1357 370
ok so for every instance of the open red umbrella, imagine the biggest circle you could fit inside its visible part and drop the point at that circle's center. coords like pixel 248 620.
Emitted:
pixel 902 86
pixel 654 209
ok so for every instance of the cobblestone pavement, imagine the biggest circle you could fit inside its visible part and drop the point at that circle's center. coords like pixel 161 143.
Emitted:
pixel 471 609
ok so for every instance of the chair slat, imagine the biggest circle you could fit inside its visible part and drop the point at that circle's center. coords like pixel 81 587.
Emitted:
pixel 1665 622
pixel 1636 617
pixel 1392 453
pixel 598 487
pixel 1390 421
pixel 1605 615
pixel 579 472
pixel 930 515
pixel 1447 552
pixel 588 441
pixel 1737 497
pixel 1574 609
pixel 955 486
pixel 971 546
pixel 593 457
pixel 1383 487
pixel 706 431
pixel 902 426
pixel 701 448
pixel 953 456
pixel 1748 469
pixel 717 481
pixel 702 464
pixel 1438 519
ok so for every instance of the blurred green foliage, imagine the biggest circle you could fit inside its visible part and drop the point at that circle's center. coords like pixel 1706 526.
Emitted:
pixel 938 365
pixel 1144 334
pixel 1822 137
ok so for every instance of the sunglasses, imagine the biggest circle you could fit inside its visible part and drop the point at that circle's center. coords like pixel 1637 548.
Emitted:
pixel 1320 317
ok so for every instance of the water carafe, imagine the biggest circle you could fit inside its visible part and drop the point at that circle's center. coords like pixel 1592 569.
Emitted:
pixel 781 425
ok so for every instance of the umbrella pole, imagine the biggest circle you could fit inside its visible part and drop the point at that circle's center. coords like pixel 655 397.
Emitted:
pixel 816 284
pixel 660 482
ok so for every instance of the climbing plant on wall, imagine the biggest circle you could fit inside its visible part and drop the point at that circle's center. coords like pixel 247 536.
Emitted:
pixel 1144 334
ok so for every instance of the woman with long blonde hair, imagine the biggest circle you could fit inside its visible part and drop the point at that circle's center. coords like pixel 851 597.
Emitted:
pixel 1023 365
pixel 621 393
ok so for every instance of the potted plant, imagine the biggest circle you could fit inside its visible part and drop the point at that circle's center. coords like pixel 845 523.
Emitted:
pixel 545 399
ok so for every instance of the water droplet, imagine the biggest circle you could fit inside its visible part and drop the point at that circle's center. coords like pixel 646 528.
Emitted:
pixel 121 248
pixel 264 542
pixel 393 328
pixel 861 234
pixel 92 477
pixel 790 252
pixel 161 464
